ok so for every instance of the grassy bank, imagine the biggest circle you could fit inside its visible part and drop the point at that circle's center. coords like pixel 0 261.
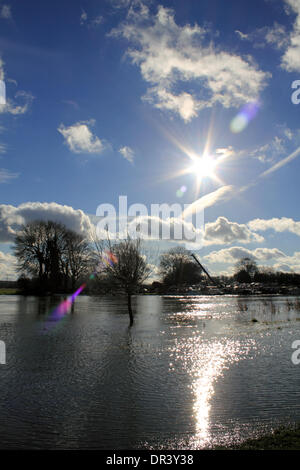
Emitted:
pixel 8 291
pixel 281 439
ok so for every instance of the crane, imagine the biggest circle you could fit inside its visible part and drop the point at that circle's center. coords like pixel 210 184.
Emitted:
pixel 204 270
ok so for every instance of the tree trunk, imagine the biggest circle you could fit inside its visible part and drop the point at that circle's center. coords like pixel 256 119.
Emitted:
pixel 130 309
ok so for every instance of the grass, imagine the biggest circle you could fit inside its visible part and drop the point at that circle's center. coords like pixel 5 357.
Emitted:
pixel 281 439
pixel 8 291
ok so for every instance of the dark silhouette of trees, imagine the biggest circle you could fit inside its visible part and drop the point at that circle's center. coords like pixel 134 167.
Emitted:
pixel 177 267
pixel 245 270
pixel 52 255
pixel 243 276
pixel 269 276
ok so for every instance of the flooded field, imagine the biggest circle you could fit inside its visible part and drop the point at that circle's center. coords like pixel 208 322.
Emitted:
pixel 192 372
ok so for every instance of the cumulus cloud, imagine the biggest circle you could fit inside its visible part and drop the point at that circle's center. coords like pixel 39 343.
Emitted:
pixel 222 231
pixel 163 227
pixel 127 153
pixel 280 225
pixel 231 255
pixel 80 139
pixel 171 56
pixel 11 217
pixel 290 263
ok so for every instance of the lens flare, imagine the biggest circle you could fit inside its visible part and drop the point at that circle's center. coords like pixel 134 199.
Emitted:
pixel 63 308
pixel 108 258
pixel 180 192
pixel 242 119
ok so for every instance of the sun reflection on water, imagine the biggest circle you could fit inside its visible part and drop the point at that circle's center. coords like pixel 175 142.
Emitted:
pixel 207 369
pixel 206 361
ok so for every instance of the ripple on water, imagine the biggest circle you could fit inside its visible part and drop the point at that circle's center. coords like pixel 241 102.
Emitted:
pixel 192 372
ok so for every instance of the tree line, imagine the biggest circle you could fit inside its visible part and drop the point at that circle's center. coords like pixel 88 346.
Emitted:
pixel 54 259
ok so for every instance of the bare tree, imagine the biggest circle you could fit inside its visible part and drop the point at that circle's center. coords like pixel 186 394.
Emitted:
pixel 51 253
pixel 77 257
pixel 128 268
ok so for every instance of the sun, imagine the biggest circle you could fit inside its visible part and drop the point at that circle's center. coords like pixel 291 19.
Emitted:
pixel 203 167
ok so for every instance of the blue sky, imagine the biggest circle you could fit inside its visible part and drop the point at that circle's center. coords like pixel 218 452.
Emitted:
pixel 111 97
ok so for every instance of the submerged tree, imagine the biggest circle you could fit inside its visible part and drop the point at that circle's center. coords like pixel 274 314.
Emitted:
pixel 52 254
pixel 127 268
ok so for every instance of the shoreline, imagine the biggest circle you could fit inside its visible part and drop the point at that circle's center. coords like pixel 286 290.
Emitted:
pixel 282 438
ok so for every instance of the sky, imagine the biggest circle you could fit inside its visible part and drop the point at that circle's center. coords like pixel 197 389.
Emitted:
pixel 106 98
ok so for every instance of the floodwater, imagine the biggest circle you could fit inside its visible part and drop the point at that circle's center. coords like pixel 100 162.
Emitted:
pixel 193 371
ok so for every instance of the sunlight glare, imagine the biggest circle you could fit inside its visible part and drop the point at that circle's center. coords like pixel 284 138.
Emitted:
pixel 204 166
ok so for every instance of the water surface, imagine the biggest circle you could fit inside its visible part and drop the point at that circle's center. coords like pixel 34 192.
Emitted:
pixel 193 371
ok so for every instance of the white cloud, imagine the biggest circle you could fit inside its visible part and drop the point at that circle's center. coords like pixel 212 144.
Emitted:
pixel 242 35
pixel 283 224
pixel 12 107
pixel 291 57
pixel 84 20
pixel 164 228
pixel 271 151
pixel 3 148
pixel 290 263
pixel 6 175
pixel 11 217
pixel 222 232
pixel 83 17
pixel 275 36
pixel 97 20
pixel 170 56
pixel 210 199
pixel 231 255
pixel 281 163
pixel 80 139
pixel 5 12
pixel 280 38
pixel 22 99
pixel 127 153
